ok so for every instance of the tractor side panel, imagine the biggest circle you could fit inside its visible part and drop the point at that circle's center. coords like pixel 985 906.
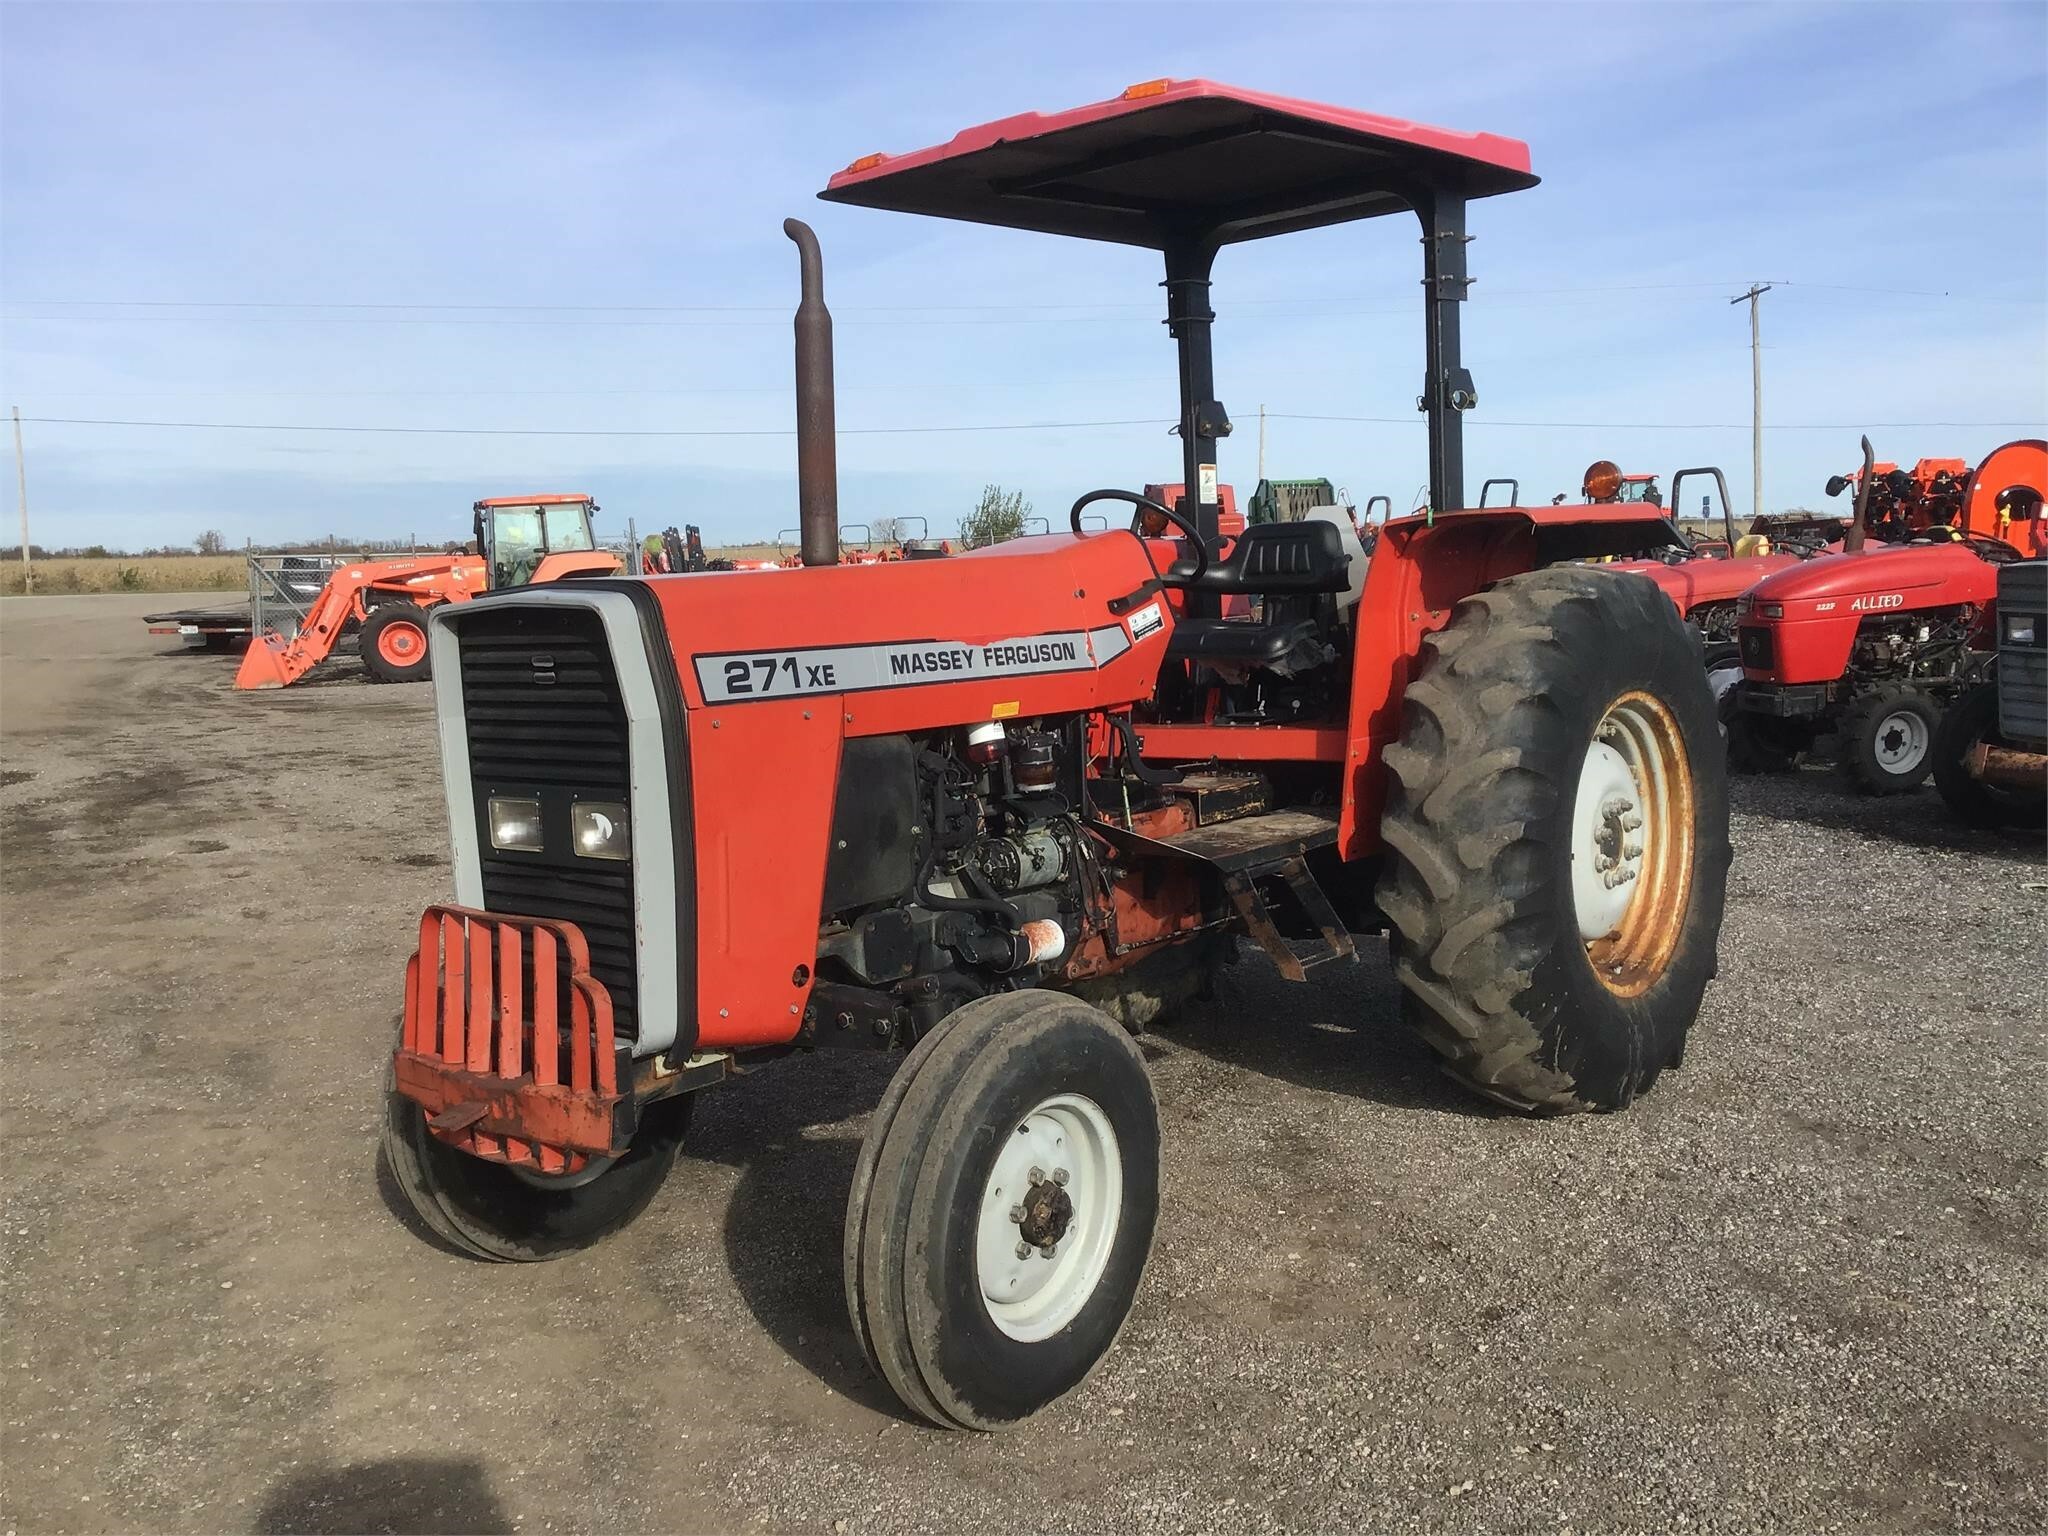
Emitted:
pixel 1011 632
pixel 1418 574
pixel 781 671
pixel 764 780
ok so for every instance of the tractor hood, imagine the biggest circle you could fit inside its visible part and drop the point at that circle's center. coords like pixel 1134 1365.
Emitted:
pixel 1890 569
pixel 1694 582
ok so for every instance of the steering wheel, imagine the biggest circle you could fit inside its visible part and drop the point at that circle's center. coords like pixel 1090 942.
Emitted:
pixel 1147 504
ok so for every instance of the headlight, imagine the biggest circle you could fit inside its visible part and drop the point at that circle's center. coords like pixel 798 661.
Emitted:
pixel 2021 629
pixel 600 829
pixel 515 823
pixel 1771 610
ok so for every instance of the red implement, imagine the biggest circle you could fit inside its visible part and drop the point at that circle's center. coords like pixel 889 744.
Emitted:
pixel 488 1074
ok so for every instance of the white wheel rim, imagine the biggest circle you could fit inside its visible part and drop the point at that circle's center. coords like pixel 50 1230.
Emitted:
pixel 1900 741
pixel 1069 1143
pixel 1611 835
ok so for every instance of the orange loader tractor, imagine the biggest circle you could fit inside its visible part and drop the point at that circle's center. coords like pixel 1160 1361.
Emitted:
pixel 520 540
pixel 1001 810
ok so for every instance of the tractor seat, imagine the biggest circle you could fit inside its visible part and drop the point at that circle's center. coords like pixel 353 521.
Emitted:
pixel 1240 642
pixel 1288 561
pixel 1281 559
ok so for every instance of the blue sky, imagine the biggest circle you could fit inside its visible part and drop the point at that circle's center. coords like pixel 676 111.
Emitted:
pixel 643 157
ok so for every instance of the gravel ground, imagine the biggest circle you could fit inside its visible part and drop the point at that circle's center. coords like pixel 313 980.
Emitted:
pixel 1800 1286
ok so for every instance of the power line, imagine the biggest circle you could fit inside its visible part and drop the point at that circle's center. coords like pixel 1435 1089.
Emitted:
pixel 1679 426
pixel 783 309
pixel 258 426
pixel 1019 426
pixel 337 312
pixel 778 310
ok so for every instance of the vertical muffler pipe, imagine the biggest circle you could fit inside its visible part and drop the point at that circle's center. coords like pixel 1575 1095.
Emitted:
pixel 817 448
pixel 1859 525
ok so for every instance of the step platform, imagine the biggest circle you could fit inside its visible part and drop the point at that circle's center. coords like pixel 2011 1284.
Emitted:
pixel 1262 861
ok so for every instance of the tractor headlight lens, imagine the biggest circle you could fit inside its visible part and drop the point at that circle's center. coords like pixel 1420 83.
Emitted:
pixel 601 829
pixel 515 823
pixel 2021 629
pixel 1771 610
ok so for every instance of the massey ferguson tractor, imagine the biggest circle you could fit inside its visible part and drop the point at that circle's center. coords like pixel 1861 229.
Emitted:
pixel 1002 809
pixel 1874 643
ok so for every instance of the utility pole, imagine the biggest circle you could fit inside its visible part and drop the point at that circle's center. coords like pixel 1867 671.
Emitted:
pixel 1756 397
pixel 28 575
pixel 1262 442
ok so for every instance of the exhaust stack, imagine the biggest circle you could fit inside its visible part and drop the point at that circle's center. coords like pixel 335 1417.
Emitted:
pixel 817 449
pixel 1852 541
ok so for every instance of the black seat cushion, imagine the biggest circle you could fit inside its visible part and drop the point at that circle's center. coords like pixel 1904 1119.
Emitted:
pixel 1239 641
pixel 1281 558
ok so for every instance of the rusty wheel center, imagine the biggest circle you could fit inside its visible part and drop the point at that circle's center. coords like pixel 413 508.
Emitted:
pixel 1048 1212
pixel 1632 843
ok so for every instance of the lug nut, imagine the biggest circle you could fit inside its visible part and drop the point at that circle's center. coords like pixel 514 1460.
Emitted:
pixel 1023 1250
pixel 1601 861
pixel 1037 1176
pixel 1632 850
pixel 1048 1250
pixel 1059 1177
pixel 1632 821
pixel 1017 1214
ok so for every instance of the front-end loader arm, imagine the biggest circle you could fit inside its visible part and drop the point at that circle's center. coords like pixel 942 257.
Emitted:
pixel 275 661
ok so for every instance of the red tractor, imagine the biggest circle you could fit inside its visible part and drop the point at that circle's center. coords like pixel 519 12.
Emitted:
pixel 1004 808
pixel 1873 643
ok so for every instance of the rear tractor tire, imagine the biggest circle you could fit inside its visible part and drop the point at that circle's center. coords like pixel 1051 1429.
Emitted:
pixel 393 641
pixel 1888 740
pixel 1002 1209
pixel 1556 835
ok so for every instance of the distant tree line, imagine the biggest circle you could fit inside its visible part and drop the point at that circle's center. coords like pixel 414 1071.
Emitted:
pixel 212 542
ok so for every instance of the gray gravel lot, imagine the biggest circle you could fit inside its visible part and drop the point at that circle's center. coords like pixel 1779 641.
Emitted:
pixel 1801 1286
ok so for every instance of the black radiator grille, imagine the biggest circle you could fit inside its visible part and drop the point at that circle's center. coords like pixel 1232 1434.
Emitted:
pixel 544 717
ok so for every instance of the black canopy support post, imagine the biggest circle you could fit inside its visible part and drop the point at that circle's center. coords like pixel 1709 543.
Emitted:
pixel 1202 422
pixel 1447 390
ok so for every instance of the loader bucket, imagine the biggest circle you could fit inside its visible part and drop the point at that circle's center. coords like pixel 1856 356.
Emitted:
pixel 269 663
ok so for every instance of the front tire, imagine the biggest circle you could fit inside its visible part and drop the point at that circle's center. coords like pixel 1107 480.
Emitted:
pixel 1003 1208
pixel 1971 719
pixel 489 1211
pixel 393 642
pixel 1556 834
pixel 1888 740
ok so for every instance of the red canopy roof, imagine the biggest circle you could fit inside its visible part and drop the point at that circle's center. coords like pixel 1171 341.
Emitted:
pixel 1179 157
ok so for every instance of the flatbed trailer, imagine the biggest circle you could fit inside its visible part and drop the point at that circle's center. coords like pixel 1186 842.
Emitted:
pixel 210 629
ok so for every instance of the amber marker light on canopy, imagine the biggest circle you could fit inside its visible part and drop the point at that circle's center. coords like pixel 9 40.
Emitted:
pixel 1145 88
pixel 865 163
pixel 1603 480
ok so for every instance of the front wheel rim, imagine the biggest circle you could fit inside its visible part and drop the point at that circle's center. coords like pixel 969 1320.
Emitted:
pixel 1900 741
pixel 1632 844
pixel 401 644
pixel 1048 1217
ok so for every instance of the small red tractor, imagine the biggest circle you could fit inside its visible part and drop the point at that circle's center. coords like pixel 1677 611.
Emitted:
pixel 385 603
pixel 1991 748
pixel 1871 644
pixel 1005 808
